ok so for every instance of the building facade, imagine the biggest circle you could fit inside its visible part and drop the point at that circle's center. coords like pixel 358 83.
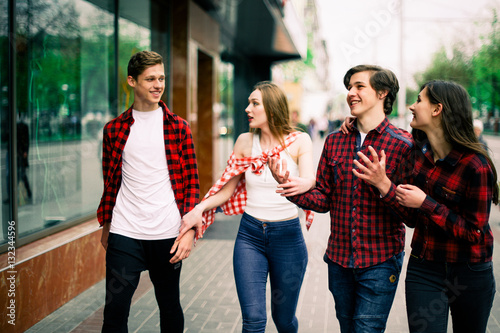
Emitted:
pixel 63 76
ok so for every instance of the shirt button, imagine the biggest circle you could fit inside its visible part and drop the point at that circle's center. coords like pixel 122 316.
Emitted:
pixel 355 187
pixel 353 230
pixel 478 231
pixel 354 209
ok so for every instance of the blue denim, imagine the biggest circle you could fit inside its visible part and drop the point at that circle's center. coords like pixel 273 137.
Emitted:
pixel 363 296
pixel 435 288
pixel 276 249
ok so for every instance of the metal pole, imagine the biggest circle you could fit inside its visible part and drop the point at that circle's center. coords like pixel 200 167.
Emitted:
pixel 402 78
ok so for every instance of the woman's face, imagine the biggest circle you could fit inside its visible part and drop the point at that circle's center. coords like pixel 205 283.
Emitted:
pixel 422 111
pixel 256 113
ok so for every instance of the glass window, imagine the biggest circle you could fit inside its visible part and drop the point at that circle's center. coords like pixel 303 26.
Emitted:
pixel 4 116
pixel 224 110
pixel 65 54
pixel 70 82
pixel 134 36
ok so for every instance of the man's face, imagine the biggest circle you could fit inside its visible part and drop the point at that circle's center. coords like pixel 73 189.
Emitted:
pixel 148 88
pixel 361 97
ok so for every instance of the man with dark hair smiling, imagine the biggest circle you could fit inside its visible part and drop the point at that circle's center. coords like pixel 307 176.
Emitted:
pixel 150 181
pixel 365 248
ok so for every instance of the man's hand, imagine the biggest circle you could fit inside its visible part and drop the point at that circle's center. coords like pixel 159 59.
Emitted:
pixel 410 196
pixel 182 247
pixel 190 220
pixel 373 172
pixel 105 235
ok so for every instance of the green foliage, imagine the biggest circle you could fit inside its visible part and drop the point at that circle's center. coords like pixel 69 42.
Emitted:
pixel 479 73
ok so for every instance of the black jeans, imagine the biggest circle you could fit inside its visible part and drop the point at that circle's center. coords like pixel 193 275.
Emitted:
pixel 126 258
pixel 435 288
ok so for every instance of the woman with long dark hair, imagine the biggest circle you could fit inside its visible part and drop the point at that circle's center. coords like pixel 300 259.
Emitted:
pixel 448 204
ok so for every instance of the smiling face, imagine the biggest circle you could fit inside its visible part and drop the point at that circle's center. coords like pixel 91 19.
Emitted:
pixel 256 113
pixel 361 97
pixel 148 88
pixel 422 111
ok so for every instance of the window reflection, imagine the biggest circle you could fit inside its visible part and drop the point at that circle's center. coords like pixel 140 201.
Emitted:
pixel 4 109
pixel 224 112
pixel 67 82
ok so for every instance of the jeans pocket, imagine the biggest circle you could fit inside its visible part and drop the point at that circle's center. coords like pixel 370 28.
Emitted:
pixel 398 261
pixel 480 266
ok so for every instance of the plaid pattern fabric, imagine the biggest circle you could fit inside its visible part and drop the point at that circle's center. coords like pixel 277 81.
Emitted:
pixel 452 223
pixel 236 166
pixel 363 231
pixel 179 151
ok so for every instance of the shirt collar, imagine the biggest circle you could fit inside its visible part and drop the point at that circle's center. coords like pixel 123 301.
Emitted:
pixel 127 115
pixel 452 158
pixel 380 128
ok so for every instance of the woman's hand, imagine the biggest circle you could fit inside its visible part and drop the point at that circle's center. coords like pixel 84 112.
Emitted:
pixel 280 173
pixel 190 220
pixel 346 126
pixel 410 196
pixel 182 247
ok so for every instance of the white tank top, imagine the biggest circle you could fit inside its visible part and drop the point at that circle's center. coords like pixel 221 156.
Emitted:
pixel 262 200
pixel 145 206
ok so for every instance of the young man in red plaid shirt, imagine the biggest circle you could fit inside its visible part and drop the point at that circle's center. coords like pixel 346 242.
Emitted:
pixel 365 248
pixel 150 181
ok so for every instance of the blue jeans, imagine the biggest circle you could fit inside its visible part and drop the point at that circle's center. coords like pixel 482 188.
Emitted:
pixel 276 249
pixel 363 296
pixel 435 288
pixel 126 258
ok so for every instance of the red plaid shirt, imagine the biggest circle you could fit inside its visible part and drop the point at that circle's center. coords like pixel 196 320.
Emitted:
pixel 363 231
pixel 236 166
pixel 452 223
pixel 179 150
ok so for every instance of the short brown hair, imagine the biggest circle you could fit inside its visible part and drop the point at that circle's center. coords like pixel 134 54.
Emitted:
pixel 140 61
pixel 381 80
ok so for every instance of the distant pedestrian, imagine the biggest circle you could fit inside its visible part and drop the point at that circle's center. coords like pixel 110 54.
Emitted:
pixel 270 243
pixel 150 181
pixel 296 124
pixel 478 130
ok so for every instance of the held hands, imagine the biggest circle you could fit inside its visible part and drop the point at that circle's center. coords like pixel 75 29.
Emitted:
pixel 410 196
pixel 190 220
pixel 182 247
pixel 373 172
pixel 288 186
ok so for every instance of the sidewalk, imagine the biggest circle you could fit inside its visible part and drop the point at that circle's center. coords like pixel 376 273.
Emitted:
pixel 208 293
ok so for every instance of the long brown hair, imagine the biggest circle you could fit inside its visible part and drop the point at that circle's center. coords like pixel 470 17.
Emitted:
pixel 276 108
pixel 457 121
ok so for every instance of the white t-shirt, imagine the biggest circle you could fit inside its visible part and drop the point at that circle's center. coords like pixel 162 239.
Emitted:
pixel 145 206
